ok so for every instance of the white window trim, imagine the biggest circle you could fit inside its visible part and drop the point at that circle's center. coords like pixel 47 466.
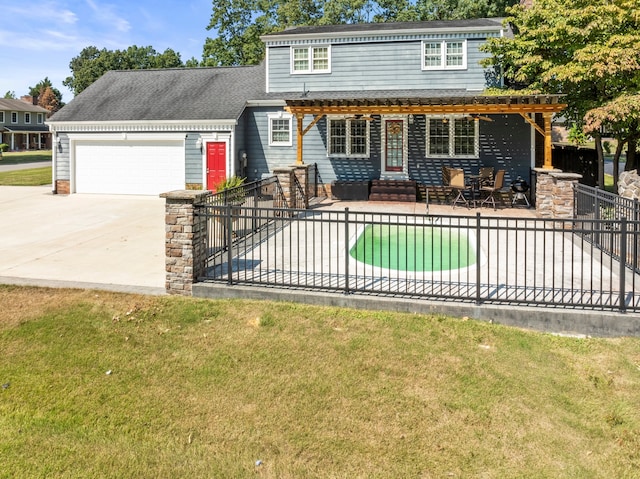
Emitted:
pixel 451 154
pixel 1 117
pixel 348 154
pixel 40 118
pixel 27 118
pixel 309 49
pixel 443 55
pixel 281 115
pixel 16 116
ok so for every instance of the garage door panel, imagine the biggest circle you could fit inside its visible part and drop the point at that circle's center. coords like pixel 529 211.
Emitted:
pixel 129 167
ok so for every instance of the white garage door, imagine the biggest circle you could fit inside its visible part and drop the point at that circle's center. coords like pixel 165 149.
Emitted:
pixel 132 167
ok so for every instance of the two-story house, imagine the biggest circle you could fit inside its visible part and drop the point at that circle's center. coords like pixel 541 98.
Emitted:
pixel 361 101
pixel 22 125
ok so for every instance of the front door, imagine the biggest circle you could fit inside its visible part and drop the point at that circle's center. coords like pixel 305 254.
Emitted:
pixel 394 145
pixel 216 163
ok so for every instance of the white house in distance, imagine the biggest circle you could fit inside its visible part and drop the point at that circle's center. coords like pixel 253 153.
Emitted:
pixel 360 101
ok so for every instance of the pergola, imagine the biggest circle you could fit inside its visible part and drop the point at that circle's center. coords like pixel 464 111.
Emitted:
pixel 524 105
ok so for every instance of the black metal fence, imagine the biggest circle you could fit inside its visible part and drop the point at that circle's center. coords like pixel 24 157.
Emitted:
pixel 606 212
pixel 465 258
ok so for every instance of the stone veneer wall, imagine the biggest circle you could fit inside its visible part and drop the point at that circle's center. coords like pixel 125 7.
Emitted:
pixel 185 240
pixel 629 185
pixel 554 193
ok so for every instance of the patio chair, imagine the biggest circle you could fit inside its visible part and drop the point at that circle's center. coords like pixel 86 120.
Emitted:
pixel 493 189
pixel 446 176
pixel 459 186
pixel 485 176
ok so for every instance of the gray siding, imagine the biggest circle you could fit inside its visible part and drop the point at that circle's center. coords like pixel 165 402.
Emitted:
pixel 193 160
pixel 504 144
pixel 62 158
pixel 21 119
pixel 376 66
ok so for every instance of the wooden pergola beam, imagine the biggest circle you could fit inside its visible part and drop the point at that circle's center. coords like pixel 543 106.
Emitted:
pixel 524 105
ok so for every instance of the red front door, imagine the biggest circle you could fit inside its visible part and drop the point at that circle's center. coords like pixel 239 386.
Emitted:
pixel 216 163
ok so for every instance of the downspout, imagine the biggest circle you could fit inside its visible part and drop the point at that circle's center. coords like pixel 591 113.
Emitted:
pixel 54 159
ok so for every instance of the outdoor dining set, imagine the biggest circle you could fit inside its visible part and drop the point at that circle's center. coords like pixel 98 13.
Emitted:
pixel 475 190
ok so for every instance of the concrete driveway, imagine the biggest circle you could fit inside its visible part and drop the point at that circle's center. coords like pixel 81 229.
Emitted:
pixel 113 242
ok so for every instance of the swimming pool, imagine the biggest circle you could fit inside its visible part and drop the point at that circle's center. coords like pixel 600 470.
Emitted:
pixel 414 248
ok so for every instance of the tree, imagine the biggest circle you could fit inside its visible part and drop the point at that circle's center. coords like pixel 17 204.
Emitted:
pixel 53 101
pixel 584 49
pixel 49 100
pixel 10 95
pixel 92 63
pixel 240 23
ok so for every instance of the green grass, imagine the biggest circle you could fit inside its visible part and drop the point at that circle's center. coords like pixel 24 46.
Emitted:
pixel 17 157
pixel 29 177
pixel 205 388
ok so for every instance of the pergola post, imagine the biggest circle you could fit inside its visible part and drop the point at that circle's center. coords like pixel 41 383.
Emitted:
pixel 300 129
pixel 548 162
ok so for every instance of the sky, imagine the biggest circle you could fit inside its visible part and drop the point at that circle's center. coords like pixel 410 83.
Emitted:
pixel 38 38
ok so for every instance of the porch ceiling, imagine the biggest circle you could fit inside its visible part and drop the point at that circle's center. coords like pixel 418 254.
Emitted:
pixel 480 104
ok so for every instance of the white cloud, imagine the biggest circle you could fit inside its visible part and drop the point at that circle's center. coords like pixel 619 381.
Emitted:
pixel 50 11
pixel 105 14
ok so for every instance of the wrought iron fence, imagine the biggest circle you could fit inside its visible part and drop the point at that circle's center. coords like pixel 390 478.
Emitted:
pixel 468 258
pixel 605 212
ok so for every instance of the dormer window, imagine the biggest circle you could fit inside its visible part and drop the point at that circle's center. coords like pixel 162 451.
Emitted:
pixel 310 59
pixel 444 55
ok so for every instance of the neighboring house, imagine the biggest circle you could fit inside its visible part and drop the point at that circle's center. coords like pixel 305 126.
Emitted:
pixel 22 125
pixel 363 101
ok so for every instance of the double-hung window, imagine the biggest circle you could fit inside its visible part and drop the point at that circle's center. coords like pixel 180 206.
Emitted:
pixel 27 118
pixel 40 118
pixel 14 117
pixel 348 137
pixel 444 55
pixel 1 117
pixel 452 136
pixel 280 129
pixel 310 59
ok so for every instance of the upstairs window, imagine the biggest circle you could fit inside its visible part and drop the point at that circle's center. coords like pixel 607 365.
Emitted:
pixel 14 117
pixel 348 137
pixel 1 117
pixel 27 118
pixel 310 60
pixel 40 118
pixel 452 137
pixel 444 55
pixel 280 129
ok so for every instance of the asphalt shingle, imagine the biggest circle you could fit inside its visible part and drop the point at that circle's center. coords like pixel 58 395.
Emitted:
pixel 168 94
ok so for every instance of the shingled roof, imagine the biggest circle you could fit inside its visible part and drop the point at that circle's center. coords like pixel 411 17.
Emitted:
pixel 388 27
pixel 180 94
pixel 7 104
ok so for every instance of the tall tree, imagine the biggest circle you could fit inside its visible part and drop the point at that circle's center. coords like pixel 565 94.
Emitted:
pixel 50 100
pixel 585 49
pixel 92 63
pixel 37 91
pixel 10 95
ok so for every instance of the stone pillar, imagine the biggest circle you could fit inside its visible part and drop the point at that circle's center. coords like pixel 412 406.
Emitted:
pixel 554 193
pixel 285 178
pixel 302 174
pixel 185 239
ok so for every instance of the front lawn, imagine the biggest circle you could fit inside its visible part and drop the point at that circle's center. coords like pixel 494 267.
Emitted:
pixel 17 157
pixel 99 384
pixel 28 177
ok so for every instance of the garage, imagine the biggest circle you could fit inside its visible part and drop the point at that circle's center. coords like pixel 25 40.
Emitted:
pixel 129 166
